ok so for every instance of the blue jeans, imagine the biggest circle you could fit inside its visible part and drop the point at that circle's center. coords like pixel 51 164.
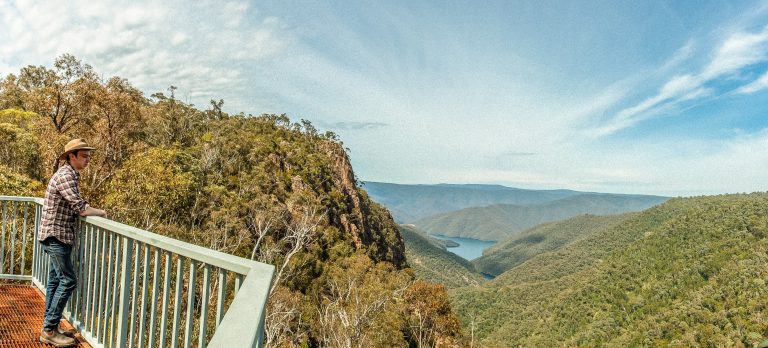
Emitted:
pixel 62 281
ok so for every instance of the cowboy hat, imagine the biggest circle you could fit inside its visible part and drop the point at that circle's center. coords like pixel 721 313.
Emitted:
pixel 74 145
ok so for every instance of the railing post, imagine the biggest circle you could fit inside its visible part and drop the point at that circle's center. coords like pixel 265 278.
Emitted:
pixel 24 241
pixel 36 252
pixel 125 279
pixel 13 238
pixel 2 237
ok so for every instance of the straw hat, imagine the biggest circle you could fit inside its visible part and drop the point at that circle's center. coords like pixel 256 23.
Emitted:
pixel 74 145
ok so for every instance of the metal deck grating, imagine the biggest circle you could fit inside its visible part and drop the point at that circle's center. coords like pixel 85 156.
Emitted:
pixel 21 317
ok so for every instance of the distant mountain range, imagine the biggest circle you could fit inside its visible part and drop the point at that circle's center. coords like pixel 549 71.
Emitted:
pixel 509 210
pixel 409 203
pixel 500 221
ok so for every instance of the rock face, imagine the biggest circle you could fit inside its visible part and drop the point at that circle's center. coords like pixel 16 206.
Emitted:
pixel 371 226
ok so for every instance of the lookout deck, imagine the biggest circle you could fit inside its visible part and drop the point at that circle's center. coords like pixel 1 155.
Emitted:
pixel 21 317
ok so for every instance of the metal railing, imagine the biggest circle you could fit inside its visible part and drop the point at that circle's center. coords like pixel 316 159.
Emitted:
pixel 140 289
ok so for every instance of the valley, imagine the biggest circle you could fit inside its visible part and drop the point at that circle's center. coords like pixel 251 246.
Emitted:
pixel 686 272
pixel 467 248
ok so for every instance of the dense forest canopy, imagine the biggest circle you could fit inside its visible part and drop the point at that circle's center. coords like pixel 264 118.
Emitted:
pixel 690 272
pixel 260 187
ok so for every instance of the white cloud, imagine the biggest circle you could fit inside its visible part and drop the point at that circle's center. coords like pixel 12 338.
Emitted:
pixel 756 85
pixel 233 13
pixel 179 38
pixel 152 44
pixel 650 167
pixel 737 51
pixel 139 16
pixel 681 55
pixel 648 107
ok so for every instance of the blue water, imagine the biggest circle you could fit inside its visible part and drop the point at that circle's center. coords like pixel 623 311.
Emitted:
pixel 468 248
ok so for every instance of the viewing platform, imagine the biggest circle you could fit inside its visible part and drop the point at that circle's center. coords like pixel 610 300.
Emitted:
pixel 135 288
pixel 21 308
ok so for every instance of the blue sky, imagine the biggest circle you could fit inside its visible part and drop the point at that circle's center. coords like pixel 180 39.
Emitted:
pixel 662 97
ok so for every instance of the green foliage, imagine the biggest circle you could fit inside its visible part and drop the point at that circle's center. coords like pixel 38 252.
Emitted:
pixel 359 306
pixel 690 272
pixel 544 238
pixel 156 185
pixel 13 184
pixel 20 118
pixel 433 263
pixel 18 142
pixel 430 316
pixel 62 94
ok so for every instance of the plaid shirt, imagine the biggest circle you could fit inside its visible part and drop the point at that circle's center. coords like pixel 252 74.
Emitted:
pixel 62 206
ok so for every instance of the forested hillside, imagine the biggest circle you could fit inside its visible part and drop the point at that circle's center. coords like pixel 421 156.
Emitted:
pixel 547 237
pixel 433 263
pixel 501 221
pixel 261 187
pixel 690 272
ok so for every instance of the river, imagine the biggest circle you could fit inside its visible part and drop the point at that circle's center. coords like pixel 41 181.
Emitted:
pixel 468 248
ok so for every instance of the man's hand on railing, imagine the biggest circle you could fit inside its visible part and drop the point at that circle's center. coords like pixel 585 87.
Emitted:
pixel 91 211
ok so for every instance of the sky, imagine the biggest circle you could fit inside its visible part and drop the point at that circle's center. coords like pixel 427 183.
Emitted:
pixel 654 97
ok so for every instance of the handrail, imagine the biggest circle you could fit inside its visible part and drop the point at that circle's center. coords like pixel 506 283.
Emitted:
pixel 22 199
pixel 115 264
pixel 233 263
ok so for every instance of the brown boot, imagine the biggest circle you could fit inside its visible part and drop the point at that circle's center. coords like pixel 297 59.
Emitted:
pixel 56 339
pixel 68 333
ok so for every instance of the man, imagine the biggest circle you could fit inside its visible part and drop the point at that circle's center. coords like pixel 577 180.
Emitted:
pixel 62 206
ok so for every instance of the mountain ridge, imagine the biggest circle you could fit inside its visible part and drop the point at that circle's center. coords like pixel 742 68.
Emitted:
pixel 499 221
pixel 409 203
